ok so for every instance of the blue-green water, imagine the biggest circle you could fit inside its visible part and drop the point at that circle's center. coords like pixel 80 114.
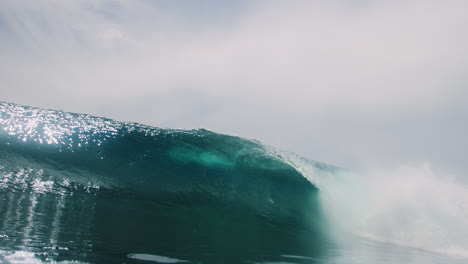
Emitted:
pixel 81 188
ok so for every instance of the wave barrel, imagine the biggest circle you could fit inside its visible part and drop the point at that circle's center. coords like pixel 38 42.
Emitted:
pixel 90 189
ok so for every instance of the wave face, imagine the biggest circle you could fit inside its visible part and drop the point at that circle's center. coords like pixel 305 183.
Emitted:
pixel 90 189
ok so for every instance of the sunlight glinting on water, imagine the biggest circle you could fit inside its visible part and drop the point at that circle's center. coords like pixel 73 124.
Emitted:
pixel 78 187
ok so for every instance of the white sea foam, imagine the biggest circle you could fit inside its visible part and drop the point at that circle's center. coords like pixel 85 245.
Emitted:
pixel 154 258
pixel 24 257
pixel 410 205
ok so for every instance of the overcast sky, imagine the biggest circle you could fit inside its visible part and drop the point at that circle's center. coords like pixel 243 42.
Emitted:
pixel 351 83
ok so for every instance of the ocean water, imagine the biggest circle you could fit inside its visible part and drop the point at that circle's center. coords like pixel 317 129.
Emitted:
pixel 81 189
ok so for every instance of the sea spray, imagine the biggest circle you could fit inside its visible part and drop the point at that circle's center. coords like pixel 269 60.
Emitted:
pixel 411 205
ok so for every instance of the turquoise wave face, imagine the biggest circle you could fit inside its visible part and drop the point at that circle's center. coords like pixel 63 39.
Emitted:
pixel 77 187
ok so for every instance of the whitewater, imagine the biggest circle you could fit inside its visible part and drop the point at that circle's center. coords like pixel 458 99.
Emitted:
pixel 75 188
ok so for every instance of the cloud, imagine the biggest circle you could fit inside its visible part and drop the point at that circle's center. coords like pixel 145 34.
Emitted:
pixel 347 83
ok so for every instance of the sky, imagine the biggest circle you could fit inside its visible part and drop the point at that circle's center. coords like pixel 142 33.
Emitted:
pixel 354 83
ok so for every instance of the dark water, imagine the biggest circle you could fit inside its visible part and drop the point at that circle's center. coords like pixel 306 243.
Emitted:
pixel 80 188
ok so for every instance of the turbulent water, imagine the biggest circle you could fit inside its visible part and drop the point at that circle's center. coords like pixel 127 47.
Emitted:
pixel 78 188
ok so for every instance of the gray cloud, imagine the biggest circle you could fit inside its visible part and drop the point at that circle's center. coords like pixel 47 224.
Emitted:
pixel 379 82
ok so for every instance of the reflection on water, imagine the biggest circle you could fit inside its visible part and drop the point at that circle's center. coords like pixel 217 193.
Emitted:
pixel 49 220
pixel 24 257
pixel 52 219
pixel 51 227
pixel 39 216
